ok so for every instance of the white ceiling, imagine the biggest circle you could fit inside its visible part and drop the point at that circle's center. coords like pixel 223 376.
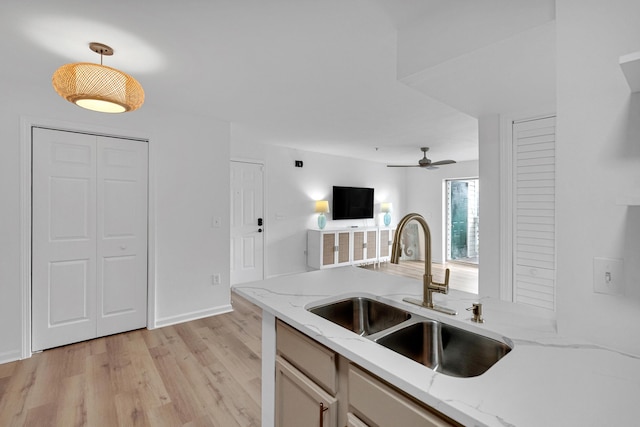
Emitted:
pixel 314 75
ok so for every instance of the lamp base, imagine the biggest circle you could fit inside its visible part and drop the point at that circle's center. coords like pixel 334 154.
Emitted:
pixel 387 219
pixel 322 221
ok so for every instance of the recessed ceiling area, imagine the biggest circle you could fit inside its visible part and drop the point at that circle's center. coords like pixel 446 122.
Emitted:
pixel 338 77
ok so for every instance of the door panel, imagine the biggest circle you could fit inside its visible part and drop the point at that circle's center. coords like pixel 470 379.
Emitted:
pixel 247 237
pixel 63 238
pixel 122 235
pixel 68 289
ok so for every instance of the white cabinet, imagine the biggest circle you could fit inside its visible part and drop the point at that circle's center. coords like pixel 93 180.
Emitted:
pixel 328 248
pixel 334 248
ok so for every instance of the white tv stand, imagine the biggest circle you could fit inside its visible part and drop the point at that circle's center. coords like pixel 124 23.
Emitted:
pixel 348 246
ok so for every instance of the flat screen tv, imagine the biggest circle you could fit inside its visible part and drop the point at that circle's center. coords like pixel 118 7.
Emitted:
pixel 352 203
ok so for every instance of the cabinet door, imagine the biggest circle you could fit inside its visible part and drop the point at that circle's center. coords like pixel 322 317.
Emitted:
pixel 300 402
pixel 386 239
pixel 328 249
pixel 359 246
pixel 343 252
pixel 372 245
pixel 365 244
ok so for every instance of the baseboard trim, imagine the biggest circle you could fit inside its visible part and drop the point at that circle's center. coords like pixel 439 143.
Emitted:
pixel 10 356
pixel 194 315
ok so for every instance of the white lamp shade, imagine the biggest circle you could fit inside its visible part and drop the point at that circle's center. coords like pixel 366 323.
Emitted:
pixel 322 206
pixel 385 207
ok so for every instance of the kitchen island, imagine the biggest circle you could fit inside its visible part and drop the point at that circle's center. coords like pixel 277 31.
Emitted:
pixel 545 379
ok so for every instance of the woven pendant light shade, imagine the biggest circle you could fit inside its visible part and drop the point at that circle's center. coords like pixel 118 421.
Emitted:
pixel 98 87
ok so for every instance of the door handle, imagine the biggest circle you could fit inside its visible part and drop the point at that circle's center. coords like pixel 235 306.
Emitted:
pixel 259 230
pixel 322 411
pixel 260 221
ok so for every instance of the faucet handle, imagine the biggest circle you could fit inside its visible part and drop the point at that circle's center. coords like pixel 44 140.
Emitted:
pixel 442 288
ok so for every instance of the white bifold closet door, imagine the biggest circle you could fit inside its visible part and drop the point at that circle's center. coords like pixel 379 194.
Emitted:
pixel 89 236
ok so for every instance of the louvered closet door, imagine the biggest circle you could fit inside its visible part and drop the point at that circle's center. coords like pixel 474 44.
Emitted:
pixel 534 213
pixel 89 237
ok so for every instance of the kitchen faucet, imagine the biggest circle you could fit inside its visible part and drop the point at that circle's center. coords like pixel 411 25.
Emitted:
pixel 428 285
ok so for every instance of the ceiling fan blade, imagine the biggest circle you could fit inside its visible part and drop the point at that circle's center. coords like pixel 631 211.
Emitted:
pixel 403 166
pixel 442 162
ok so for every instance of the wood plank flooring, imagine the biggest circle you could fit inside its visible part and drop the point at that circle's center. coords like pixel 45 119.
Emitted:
pixel 200 373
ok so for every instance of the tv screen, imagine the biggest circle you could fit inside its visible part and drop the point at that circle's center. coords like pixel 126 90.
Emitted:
pixel 352 203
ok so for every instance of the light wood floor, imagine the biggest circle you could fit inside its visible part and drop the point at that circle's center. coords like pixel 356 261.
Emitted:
pixel 463 277
pixel 200 373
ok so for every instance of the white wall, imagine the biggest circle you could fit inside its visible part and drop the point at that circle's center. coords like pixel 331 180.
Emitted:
pixel 598 159
pixel 190 183
pixel 426 195
pixel 291 192
pixel 489 152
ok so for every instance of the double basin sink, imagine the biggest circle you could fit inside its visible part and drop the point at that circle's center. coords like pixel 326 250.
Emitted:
pixel 439 346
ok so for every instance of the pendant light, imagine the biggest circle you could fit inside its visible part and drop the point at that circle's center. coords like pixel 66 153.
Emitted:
pixel 98 87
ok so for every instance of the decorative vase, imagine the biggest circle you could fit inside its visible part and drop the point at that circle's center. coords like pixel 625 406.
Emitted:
pixel 387 219
pixel 322 221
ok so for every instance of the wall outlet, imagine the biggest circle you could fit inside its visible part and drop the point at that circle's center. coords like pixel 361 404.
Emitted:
pixel 608 276
pixel 215 279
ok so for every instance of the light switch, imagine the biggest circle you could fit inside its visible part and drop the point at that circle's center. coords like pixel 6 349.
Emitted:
pixel 608 276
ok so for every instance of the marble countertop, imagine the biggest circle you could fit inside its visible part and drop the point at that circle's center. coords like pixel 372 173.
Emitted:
pixel 545 380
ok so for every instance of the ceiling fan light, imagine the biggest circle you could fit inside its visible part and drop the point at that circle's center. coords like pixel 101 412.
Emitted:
pixel 98 87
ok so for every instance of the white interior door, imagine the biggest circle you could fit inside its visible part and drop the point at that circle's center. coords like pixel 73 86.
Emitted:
pixel 247 222
pixel 89 237
pixel 121 235
pixel 63 238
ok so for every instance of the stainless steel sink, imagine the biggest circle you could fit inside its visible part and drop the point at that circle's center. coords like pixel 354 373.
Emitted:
pixel 439 346
pixel 364 316
pixel 445 348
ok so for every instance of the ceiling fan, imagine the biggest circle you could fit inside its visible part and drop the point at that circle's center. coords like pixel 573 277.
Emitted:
pixel 424 162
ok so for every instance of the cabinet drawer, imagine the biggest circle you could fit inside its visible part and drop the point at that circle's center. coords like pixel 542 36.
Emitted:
pixel 379 404
pixel 300 402
pixel 315 360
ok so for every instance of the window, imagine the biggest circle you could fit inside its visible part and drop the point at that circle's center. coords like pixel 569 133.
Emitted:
pixel 463 240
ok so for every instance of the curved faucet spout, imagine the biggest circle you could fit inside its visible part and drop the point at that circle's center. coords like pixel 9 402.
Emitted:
pixel 429 286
